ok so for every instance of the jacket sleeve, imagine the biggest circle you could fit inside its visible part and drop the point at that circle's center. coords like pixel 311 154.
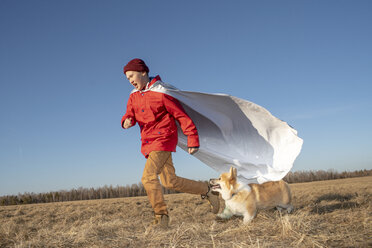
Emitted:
pixel 129 113
pixel 188 127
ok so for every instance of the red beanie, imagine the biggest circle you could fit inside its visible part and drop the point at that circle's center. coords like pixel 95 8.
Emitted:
pixel 136 65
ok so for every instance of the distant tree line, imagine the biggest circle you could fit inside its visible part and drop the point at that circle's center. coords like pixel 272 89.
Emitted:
pixel 321 175
pixel 106 192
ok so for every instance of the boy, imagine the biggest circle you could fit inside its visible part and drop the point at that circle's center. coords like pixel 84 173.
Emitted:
pixel 157 113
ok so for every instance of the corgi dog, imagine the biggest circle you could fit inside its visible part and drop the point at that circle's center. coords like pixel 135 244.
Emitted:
pixel 244 199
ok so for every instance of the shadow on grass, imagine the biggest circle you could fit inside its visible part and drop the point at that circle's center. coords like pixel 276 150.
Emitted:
pixel 335 197
pixel 344 203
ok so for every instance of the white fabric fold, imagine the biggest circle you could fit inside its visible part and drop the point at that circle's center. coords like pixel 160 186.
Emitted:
pixel 239 133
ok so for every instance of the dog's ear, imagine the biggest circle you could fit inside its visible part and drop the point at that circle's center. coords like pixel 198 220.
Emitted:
pixel 233 172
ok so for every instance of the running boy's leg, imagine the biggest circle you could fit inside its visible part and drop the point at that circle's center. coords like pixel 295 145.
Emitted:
pixel 153 167
pixel 170 180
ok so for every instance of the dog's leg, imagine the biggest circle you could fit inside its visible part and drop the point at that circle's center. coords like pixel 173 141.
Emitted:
pixel 288 207
pixel 249 214
pixel 280 209
pixel 226 214
pixel 247 218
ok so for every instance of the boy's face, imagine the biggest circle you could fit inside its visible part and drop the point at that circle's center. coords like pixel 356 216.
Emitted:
pixel 137 79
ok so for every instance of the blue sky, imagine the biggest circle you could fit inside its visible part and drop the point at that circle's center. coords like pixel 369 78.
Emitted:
pixel 62 90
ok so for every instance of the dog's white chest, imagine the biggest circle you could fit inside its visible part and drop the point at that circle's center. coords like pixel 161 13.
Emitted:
pixel 237 208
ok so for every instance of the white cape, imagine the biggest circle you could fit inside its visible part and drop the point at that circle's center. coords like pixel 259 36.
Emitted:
pixel 239 133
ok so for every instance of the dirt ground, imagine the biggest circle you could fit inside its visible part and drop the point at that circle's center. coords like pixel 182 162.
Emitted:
pixel 336 213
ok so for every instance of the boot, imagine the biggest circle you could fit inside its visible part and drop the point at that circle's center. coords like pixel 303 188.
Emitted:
pixel 161 220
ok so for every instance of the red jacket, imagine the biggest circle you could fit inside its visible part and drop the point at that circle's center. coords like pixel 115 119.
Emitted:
pixel 156 114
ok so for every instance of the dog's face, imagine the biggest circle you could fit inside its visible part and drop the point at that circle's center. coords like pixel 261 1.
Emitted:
pixel 225 184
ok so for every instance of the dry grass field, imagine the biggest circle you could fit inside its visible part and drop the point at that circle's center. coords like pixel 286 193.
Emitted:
pixel 335 213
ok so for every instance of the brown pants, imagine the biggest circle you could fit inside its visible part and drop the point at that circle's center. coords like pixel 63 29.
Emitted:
pixel 160 163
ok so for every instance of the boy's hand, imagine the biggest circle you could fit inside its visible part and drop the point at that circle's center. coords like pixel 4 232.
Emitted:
pixel 192 150
pixel 127 123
